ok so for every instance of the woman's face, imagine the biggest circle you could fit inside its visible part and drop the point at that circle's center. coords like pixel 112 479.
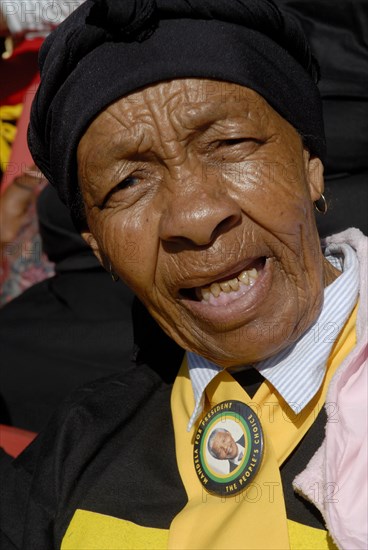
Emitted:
pixel 201 197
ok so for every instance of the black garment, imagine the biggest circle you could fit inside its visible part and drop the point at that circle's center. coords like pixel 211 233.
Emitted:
pixel 110 450
pixel 59 334
pixel 338 35
pixel 64 331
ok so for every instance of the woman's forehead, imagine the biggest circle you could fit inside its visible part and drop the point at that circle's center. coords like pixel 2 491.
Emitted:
pixel 163 119
pixel 189 103
pixel 195 90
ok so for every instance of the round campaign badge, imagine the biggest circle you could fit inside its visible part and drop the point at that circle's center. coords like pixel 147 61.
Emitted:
pixel 228 448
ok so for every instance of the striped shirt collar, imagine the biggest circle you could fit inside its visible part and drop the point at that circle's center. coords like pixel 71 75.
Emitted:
pixel 294 377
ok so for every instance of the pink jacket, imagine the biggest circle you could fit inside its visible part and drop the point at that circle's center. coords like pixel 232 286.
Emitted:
pixel 336 478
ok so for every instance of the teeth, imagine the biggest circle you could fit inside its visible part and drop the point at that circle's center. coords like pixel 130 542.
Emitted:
pixel 234 284
pixel 246 277
pixel 225 287
pixel 206 293
pixel 215 289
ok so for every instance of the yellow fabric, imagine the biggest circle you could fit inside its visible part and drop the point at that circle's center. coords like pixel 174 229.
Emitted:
pixel 209 521
pixel 8 115
pixel 100 532
pixel 303 537
pixel 92 531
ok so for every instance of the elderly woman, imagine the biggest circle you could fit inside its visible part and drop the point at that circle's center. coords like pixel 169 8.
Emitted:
pixel 187 139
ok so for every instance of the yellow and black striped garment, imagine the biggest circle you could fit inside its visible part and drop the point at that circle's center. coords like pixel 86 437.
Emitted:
pixel 104 474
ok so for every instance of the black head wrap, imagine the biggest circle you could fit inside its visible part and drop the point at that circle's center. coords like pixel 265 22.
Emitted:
pixel 109 48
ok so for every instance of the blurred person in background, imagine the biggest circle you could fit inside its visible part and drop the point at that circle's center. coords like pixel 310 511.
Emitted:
pixel 23 27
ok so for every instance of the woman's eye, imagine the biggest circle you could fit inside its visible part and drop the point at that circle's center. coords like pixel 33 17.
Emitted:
pixel 127 182
pixel 251 142
pixel 237 149
pixel 130 181
pixel 230 142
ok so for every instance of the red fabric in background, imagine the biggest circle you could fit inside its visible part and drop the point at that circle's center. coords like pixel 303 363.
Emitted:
pixel 19 71
pixel 20 157
pixel 19 77
pixel 14 440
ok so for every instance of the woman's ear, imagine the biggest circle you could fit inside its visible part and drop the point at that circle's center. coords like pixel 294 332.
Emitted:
pixel 93 244
pixel 314 173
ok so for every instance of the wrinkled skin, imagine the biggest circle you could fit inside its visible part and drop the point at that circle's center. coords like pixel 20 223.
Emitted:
pixel 190 181
pixel 224 446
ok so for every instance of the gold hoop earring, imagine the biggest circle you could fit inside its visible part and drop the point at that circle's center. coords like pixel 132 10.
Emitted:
pixel 321 205
pixel 114 276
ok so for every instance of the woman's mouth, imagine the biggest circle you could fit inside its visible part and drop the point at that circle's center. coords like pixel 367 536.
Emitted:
pixel 226 290
pixel 229 301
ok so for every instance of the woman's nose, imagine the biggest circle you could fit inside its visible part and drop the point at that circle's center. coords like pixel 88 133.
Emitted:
pixel 197 212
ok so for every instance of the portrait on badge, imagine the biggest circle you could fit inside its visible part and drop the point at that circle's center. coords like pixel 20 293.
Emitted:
pixel 222 446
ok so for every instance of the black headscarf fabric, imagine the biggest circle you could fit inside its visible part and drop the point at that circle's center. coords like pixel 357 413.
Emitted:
pixel 109 48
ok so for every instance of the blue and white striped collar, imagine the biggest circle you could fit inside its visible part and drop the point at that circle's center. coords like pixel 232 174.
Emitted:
pixel 297 372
